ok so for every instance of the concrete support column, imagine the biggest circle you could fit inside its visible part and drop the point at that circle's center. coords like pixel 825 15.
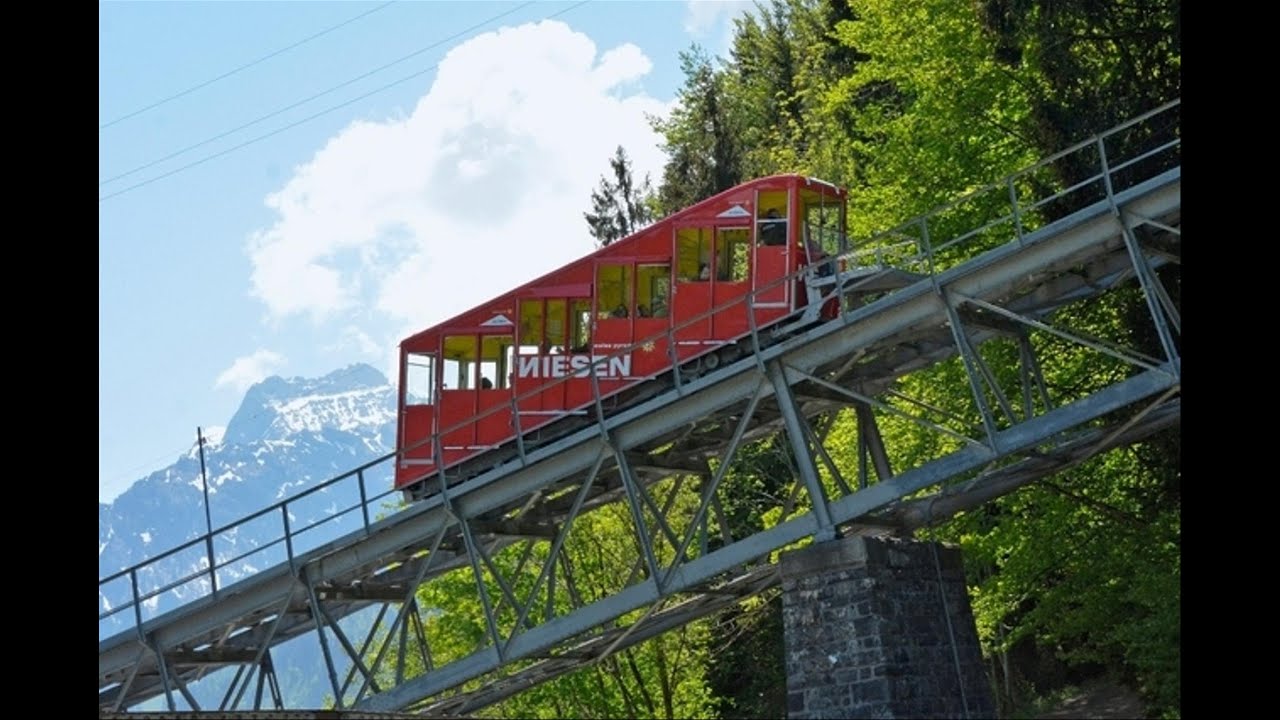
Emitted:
pixel 867 636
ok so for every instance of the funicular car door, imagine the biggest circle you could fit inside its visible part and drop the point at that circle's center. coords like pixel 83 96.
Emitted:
pixel 731 280
pixel 458 380
pixel 615 331
pixel 821 237
pixel 632 320
pixel 494 391
pixel 554 327
pixel 773 256
pixel 691 298
pixel 475 392
pixel 417 416
pixel 653 317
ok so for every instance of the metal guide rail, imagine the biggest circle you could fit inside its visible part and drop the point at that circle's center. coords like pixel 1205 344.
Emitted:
pixel 920 296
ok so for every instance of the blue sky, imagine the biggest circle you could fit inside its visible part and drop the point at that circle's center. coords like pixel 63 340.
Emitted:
pixel 319 245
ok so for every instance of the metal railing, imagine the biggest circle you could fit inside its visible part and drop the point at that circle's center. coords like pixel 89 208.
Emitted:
pixel 926 245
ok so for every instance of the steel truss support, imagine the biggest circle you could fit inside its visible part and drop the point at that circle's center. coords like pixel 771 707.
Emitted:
pixel 1160 414
pixel 800 449
pixel 472 556
pixel 709 492
pixel 1171 313
pixel 267 676
pixel 350 649
pixel 870 402
pixel 317 617
pixel 639 564
pixel 420 634
pixel 855 359
pixel 525 554
pixel 977 372
pixel 691 575
pixel 408 607
pixel 547 573
pixel 143 649
pixel 263 650
pixel 870 445
pixel 1152 291
pixel 726 534
pixel 1126 355
pixel 168 680
pixel 659 517
pixel 364 647
pixel 164 676
pixel 815 437
pixel 1032 378
pixel 186 693
pixel 637 515
pixel 400 649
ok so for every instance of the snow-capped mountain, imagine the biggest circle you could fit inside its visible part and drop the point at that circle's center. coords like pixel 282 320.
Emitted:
pixel 287 436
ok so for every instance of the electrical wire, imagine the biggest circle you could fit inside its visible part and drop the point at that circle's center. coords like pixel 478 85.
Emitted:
pixel 304 101
pixel 246 66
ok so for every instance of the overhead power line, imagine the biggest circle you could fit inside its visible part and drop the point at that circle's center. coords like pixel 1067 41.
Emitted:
pixel 260 138
pixel 296 123
pixel 305 100
pixel 131 473
pixel 246 66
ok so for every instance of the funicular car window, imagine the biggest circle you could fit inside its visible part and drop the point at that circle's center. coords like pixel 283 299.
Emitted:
pixel 532 321
pixel 771 218
pixel 459 362
pixel 420 379
pixel 653 290
pixel 820 215
pixel 555 325
pixel 613 291
pixel 580 316
pixel 693 254
pixel 495 362
pixel 733 250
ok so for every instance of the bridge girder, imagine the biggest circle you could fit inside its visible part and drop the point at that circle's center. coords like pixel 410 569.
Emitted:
pixel 687 565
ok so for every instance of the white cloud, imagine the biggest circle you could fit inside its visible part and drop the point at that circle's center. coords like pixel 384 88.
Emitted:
pixel 247 370
pixel 617 66
pixel 361 340
pixel 702 18
pixel 710 22
pixel 353 340
pixel 481 188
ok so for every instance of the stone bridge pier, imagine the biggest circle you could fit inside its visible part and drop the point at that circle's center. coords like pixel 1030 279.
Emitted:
pixel 867 635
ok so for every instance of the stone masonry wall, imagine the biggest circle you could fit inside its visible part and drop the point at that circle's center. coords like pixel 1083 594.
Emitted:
pixel 866 636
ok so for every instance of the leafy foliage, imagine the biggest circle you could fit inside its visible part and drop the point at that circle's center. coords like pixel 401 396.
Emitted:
pixel 619 207
pixel 664 677
pixel 702 137
pixel 910 104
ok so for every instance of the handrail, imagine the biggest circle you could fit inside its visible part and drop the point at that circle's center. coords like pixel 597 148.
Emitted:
pixel 881 248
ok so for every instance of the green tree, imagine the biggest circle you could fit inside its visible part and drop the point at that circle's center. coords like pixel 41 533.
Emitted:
pixel 927 115
pixel 702 138
pixel 785 57
pixel 1096 63
pixel 746 672
pixel 619 207
pixel 761 78
pixel 664 677
pixel 913 104
pixel 908 103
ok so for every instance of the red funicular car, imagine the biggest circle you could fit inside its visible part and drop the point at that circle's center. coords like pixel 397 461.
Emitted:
pixel 679 290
